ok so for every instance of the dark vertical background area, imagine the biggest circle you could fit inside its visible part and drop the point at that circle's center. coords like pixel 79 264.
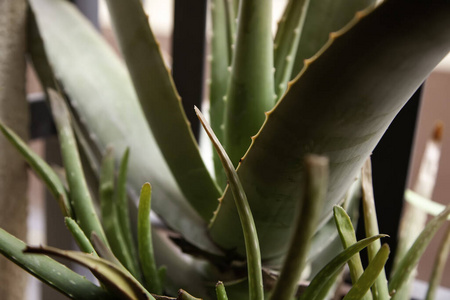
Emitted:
pixel 188 51
pixel 390 161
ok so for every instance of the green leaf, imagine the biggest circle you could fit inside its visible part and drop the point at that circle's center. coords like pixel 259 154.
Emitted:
pixel 439 266
pixel 339 107
pixel 79 236
pixel 220 291
pixel 286 42
pixel 110 219
pixel 380 287
pixel 322 18
pixel 348 238
pixel 411 258
pixel 50 271
pixel 183 295
pixel 110 275
pixel 251 87
pixel 42 169
pixel 162 105
pixel 79 192
pixel 370 275
pixel 321 280
pixel 315 190
pixel 145 245
pixel 255 283
pixel 102 94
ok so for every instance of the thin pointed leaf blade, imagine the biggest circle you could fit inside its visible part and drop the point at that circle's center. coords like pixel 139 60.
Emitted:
pixel 50 271
pixel 162 105
pixel 339 106
pixel 116 280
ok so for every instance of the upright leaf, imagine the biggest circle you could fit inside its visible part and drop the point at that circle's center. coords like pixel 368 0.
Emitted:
pixel 251 87
pixel 162 105
pixel 339 107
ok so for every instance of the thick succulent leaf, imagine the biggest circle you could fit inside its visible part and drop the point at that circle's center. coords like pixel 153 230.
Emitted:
pixel 42 169
pixel 219 60
pixel 286 42
pixel 315 190
pixel 255 282
pixel 50 271
pixel 162 105
pixel 323 17
pixel 79 236
pixel 220 291
pixel 102 93
pixel 79 193
pixel 411 259
pixel 321 280
pixel 251 87
pixel 339 106
pixel 367 279
pixel 113 277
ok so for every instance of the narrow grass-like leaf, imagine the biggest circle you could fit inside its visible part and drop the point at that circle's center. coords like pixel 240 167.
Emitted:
pixel 309 211
pixel 251 87
pixel 79 236
pixel 339 106
pixel 145 245
pixel 286 42
pixel 110 218
pixel 348 238
pixel 429 206
pixel 367 279
pixel 50 271
pixel 121 283
pixel 439 266
pixel 255 282
pixel 121 199
pixel 221 294
pixel 411 259
pixel 112 120
pixel 380 287
pixel 42 169
pixel 162 105
pixel 321 279
pixel 79 194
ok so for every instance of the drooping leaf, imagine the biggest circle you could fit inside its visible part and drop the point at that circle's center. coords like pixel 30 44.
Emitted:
pixel 367 279
pixel 50 271
pixel 339 106
pixel 119 282
pixel 315 190
pixel 255 282
pixel 321 280
pixel 98 83
pixel 251 86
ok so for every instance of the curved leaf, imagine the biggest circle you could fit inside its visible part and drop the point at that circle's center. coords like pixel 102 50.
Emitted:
pixel 339 106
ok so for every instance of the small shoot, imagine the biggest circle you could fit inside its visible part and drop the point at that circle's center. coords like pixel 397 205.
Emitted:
pixel 115 279
pixel 221 294
pixel 151 274
pixel 255 281
pixel 321 282
pixel 309 211
pixel 368 278
pixel 348 238
pixel 79 236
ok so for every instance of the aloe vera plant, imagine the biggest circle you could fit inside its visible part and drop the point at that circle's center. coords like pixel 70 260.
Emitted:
pixel 329 83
